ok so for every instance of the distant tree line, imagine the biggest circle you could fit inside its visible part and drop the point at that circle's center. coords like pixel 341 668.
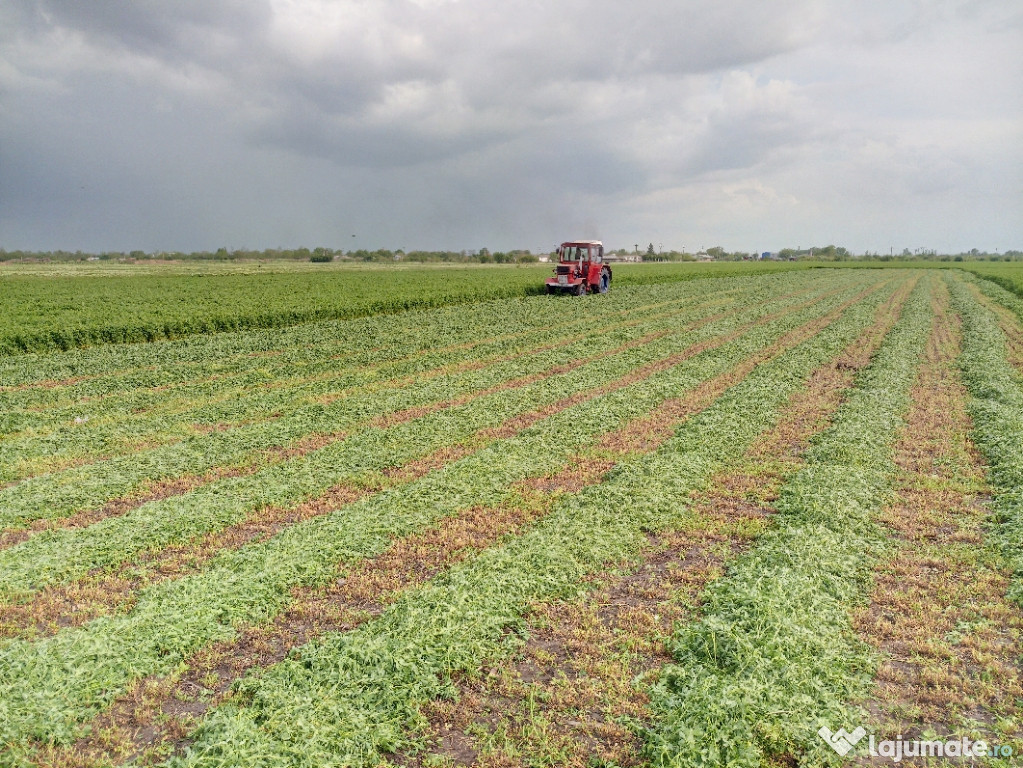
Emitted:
pixel 381 255
pixel 827 253
pixel 485 256
pixel 716 252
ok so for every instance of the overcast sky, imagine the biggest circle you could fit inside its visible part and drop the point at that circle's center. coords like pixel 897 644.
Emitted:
pixel 461 124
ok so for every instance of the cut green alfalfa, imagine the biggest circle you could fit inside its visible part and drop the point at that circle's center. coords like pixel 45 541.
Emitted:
pixel 105 369
pixel 345 697
pixel 112 427
pixel 58 495
pixel 996 409
pixel 62 493
pixel 58 556
pixel 169 401
pixel 197 387
pixel 774 656
pixel 129 405
pixel 254 583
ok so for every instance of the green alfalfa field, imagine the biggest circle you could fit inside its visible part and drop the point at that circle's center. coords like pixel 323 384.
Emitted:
pixel 261 516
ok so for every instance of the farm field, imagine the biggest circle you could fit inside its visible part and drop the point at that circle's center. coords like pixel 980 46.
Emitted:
pixel 687 523
pixel 67 305
pixel 1007 275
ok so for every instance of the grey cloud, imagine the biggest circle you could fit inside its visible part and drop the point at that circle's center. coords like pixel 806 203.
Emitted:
pixel 466 115
pixel 176 29
pixel 501 57
pixel 597 40
pixel 358 146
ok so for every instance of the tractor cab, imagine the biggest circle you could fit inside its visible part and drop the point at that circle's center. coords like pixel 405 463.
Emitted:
pixel 580 252
pixel 580 269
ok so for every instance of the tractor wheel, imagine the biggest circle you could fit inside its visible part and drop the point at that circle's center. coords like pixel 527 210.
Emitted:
pixel 550 290
pixel 581 289
pixel 605 282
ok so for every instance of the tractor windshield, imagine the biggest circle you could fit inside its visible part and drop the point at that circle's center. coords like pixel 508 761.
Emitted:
pixel 574 252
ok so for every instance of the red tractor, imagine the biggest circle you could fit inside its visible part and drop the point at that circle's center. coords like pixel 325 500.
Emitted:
pixel 580 269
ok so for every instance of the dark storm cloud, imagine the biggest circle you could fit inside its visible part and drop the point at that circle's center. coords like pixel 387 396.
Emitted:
pixel 497 54
pixel 178 30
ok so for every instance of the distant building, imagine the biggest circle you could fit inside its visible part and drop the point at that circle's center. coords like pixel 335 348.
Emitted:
pixel 704 256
